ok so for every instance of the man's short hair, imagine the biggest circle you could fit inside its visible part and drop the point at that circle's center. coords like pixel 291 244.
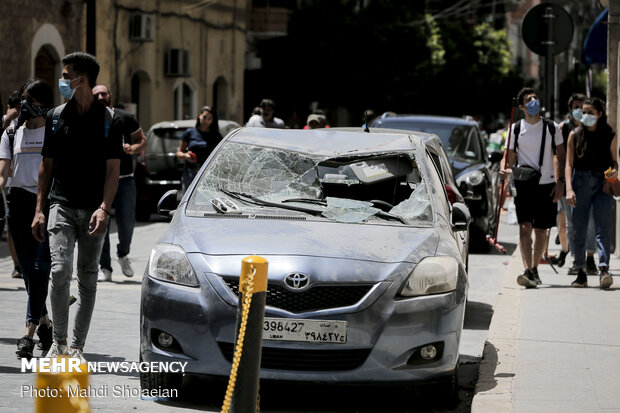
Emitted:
pixel 267 103
pixel 524 92
pixel 575 96
pixel 84 64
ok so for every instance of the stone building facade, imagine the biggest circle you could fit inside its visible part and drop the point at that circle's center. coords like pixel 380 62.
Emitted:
pixel 162 59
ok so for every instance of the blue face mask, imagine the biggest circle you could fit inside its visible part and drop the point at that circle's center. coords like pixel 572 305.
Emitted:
pixel 588 120
pixel 533 107
pixel 65 88
pixel 577 113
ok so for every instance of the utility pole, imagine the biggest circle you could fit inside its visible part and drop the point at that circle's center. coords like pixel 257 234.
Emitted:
pixel 613 43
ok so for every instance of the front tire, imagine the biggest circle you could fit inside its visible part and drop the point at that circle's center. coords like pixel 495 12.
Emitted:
pixel 173 382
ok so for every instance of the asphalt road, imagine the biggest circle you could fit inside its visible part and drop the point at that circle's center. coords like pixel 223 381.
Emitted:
pixel 114 337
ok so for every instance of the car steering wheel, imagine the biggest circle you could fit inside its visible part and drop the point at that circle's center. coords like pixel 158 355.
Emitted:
pixel 386 206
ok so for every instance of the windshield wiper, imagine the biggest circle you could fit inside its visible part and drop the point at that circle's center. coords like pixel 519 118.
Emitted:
pixel 257 201
pixel 307 201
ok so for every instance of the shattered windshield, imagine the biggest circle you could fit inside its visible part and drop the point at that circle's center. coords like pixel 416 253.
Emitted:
pixel 244 178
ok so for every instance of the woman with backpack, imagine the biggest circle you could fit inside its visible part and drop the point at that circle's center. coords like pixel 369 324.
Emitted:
pixel 22 147
pixel 592 150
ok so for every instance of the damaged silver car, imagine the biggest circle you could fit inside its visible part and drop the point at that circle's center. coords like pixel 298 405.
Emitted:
pixel 366 259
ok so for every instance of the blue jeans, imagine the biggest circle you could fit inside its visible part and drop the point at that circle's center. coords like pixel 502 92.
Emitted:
pixel 125 212
pixel 570 231
pixel 33 256
pixel 588 187
pixel 65 227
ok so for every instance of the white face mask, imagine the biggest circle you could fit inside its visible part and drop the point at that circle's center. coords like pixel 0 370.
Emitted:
pixel 588 120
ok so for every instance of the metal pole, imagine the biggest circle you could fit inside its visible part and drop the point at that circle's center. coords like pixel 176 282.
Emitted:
pixel 549 64
pixel 245 395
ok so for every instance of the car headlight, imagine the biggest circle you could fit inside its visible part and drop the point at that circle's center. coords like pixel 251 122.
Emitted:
pixel 473 178
pixel 169 263
pixel 432 275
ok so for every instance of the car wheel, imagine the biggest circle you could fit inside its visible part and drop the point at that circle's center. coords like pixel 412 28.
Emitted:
pixel 143 211
pixel 479 241
pixel 158 381
pixel 449 389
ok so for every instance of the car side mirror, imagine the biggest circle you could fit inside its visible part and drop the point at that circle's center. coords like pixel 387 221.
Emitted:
pixel 496 156
pixel 461 218
pixel 168 203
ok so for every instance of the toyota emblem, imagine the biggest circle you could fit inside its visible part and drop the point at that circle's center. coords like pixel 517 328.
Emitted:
pixel 297 281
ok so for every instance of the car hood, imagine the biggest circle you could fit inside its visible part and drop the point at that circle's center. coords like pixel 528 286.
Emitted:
pixel 239 236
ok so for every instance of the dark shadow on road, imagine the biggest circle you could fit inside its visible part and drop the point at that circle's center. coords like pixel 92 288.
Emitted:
pixel 13 289
pixel 488 365
pixel 477 316
pixel 279 397
pixel 95 358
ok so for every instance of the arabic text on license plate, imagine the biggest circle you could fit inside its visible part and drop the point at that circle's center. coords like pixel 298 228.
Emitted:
pixel 316 331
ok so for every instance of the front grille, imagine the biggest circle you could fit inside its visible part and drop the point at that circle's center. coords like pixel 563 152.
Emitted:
pixel 315 298
pixel 305 360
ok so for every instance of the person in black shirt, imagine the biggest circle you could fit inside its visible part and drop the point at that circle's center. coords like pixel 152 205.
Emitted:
pixel 198 142
pixel 79 171
pixel 134 142
pixel 592 149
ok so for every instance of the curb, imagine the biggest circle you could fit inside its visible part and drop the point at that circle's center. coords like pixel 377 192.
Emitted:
pixel 496 378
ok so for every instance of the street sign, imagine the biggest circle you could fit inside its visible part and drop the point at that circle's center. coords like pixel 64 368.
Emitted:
pixel 534 29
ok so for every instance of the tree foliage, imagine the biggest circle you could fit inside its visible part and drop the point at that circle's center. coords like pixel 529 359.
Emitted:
pixel 393 56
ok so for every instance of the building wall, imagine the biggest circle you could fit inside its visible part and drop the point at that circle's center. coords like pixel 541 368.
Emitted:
pixel 214 33
pixel 54 26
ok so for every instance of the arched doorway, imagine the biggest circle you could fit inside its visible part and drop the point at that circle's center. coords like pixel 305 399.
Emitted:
pixel 141 96
pixel 46 68
pixel 220 97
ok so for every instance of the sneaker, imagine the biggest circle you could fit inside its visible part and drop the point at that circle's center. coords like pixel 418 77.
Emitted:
pixel 17 272
pixel 57 350
pixel 78 354
pixel 526 280
pixel 560 259
pixel 591 268
pixel 104 275
pixel 126 266
pixel 25 347
pixel 535 276
pixel 581 281
pixel 45 336
pixel 605 279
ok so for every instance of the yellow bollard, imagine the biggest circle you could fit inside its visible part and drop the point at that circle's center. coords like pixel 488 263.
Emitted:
pixel 64 390
pixel 242 392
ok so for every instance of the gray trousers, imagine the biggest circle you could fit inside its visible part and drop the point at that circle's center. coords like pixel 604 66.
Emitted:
pixel 65 227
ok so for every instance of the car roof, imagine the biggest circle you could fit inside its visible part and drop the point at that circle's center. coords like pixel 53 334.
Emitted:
pixel 188 123
pixel 429 139
pixel 328 141
pixel 404 118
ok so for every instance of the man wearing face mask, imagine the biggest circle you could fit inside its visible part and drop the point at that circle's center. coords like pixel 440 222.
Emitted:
pixel 79 172
pixel 538 187
pixel 23 148
pixel 134 142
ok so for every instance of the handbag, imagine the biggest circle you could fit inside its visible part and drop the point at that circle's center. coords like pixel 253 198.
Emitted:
pixel 526 174
pixel 611 188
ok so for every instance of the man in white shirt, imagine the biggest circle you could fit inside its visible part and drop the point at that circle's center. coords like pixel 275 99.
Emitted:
pixel 536 197
pixel 266 119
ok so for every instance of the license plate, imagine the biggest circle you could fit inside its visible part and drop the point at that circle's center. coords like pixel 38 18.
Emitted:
pixel 315 331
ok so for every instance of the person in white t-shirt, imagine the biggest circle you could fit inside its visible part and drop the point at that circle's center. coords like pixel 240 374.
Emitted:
pixel 23 149
pixel 536 198
pixel 266 119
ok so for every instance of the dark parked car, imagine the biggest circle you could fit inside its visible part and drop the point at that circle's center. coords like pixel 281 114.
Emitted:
pixel 366 281
pixel 476 171
pixel 159 170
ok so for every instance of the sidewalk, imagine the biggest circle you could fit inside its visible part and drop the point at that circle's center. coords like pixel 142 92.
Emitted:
pixel 553 348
